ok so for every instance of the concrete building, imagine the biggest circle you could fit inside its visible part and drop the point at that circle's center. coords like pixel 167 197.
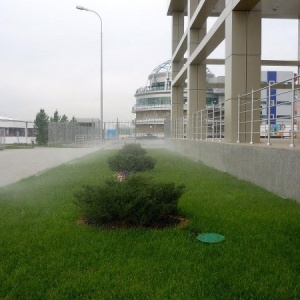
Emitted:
pixel 239 24
pixel 14 131
pixel 153 101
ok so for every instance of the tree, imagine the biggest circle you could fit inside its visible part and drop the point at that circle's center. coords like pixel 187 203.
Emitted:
pixel 56 117
pixel 64 119
pixel 41 127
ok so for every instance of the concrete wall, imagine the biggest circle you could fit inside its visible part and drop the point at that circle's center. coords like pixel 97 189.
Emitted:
pixel 277 170
pixel 17 140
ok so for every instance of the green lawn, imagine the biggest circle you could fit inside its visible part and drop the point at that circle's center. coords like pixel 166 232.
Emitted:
pixel 45 254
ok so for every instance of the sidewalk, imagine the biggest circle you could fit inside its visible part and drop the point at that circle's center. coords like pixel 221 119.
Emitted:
pixel 16 164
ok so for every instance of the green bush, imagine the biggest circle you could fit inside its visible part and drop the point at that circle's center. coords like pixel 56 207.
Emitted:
pixel 131 158
pixel 129 163
pixel 132 149
pixel 136 201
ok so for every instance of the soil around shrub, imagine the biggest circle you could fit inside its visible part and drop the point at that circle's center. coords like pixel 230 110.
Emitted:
pixel 172 221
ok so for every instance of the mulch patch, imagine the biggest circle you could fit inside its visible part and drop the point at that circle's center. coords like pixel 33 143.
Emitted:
pixel 173 221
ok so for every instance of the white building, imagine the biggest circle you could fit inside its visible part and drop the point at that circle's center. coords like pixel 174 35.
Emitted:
pixel 153 101
pixel 14 131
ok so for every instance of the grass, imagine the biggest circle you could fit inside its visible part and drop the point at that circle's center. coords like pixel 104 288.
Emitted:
pixel 45 254
pixel 18 146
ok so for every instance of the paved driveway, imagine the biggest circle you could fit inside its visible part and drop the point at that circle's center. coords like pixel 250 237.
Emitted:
pixel 16 164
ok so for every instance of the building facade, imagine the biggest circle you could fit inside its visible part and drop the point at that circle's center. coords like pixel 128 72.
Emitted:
pixel 14 131
pixel 153 101
pixel 238 23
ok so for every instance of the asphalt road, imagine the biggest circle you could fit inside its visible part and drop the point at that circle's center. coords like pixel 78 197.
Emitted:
pixel 16 164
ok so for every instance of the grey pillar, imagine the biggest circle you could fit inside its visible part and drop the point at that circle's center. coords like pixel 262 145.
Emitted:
pixel 196 75
pixel 242 70
pixel 177 91
pixel 298 102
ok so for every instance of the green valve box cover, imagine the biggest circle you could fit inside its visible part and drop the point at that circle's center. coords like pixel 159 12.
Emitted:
pixel 210 238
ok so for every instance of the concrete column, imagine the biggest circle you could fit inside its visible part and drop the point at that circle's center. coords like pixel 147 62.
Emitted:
pixel 298 102
pixel 177 28
pixel 242 71
pixel 177 33
pixel 196 94
pixel 26 131
pixel 176 92
pixel 192 5
pixel 177 106
pixel 196 76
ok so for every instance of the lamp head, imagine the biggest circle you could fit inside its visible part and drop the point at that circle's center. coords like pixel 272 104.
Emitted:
pixel 81 8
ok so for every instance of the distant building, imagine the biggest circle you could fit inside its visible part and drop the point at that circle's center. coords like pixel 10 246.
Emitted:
pixel 153 101
pixel 16 131
pixel 89 122
pixel 280 108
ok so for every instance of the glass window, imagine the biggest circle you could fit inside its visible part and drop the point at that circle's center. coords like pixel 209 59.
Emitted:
pixel 154 101
pixel 211 101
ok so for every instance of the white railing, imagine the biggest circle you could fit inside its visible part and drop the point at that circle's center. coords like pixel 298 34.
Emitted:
pixel 270 112
pixel 263 115
pixel 150 121
pixel 150 89
pixel 151 107
pixel 180 128
pixel 206 124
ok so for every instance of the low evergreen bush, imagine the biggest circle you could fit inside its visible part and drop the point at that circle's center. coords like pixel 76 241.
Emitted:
pixel 131 158
pixel 129 163
pixel 136 201
pixel 133 149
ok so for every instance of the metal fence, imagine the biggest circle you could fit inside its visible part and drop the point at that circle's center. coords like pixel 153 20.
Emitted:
pixel 265 115
pixel 207 124
pixel 72 133
pixel 180 128
pixel 89 134
pixel 272 112
pixel 119 130
pixel 2 138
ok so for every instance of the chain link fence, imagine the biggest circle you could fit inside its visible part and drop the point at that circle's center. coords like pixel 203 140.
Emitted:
pixel 73 133
pixel 2 138
pixel 119 130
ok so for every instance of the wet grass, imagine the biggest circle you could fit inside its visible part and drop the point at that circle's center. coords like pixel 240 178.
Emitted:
pixel 45 254
pixel 18 146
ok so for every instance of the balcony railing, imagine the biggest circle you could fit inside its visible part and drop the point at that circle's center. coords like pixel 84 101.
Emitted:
pixel 151 89
pixel 136 108
pixel 275 115
pixel 263 115
pixel 154 107
pixel 150 121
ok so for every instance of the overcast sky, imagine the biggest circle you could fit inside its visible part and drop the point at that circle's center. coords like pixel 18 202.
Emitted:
pixel 50 54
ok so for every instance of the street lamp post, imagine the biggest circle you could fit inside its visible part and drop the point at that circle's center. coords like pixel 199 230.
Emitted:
pixel 101 71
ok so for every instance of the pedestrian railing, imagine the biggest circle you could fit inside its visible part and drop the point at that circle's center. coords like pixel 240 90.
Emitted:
pixel 269 113
pixel 263 115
